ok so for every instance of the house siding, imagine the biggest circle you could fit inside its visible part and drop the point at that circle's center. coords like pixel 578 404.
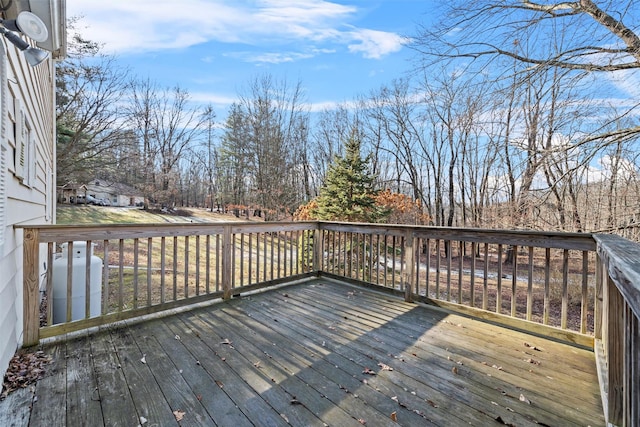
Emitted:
pixel 28 99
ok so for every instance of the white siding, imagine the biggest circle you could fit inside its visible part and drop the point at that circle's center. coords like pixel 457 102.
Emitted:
pixel 27 136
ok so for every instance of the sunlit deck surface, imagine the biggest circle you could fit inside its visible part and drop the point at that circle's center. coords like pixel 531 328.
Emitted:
pixel 312 354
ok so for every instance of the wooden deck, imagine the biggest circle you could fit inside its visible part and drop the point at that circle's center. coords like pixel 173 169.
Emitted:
pixel 312 354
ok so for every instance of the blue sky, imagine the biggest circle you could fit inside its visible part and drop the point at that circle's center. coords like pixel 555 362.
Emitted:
pixel 213 48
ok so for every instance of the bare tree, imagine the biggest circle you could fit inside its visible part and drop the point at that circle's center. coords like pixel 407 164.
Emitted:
pixel 277 126
pixel 580 36
pixel 89 90
pixel 167 125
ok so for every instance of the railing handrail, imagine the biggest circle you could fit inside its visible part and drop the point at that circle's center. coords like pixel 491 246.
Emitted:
pixel 623 263
pixel 543 239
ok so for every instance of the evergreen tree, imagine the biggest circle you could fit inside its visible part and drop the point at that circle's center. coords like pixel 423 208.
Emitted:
pixel 348 193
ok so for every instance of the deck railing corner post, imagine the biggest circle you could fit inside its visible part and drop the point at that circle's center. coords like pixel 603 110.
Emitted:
pixel 31 287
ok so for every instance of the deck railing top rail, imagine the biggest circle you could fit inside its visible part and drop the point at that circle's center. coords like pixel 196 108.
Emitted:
pixel 543 239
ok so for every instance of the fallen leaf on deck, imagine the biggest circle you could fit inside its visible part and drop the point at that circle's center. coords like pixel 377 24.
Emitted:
pixel 144 358
pixel 143 421
pixel 432 403
pixel 24 369
pixel 257 364
pixel 368 371
pixel 499 368
pixel 199 397
pixel 361 421
pixel 524 399
pixel 220 384
pixel 535 362
pixel 532 347
pixel 295 401
pixel 177 337
pixel 226 341
pixel 284 417
pixel 394 416
pixel 454 370
pixel 179 414
pixel 385 367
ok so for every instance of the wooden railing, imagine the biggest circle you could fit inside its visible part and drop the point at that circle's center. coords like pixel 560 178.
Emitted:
pixel 142 269
pixel 617 328
pixel 578 288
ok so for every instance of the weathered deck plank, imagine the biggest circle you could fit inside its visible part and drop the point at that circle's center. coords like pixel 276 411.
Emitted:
pixel 83 398
pixel 51 394
pixel 312 354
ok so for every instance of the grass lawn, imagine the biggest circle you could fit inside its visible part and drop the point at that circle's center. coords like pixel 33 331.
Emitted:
pixel 71 214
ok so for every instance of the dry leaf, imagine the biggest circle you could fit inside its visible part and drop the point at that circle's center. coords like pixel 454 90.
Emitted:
pixel 394 416
pixel 385 367
pixel 432 403
pixel 361 421
pixel 220 384
pixel 368 371
pixel 524 399
pixel 177 337
pixel 178 414
pixel 257 364
pixel 226 341
pixel 143 421
pixel 284 417
pixel 454 370
pixel 535 362
pixel 532 347
pixel 144 358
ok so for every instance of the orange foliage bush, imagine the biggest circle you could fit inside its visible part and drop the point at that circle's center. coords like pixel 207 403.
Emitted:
pixel 304 212
pixel 403 209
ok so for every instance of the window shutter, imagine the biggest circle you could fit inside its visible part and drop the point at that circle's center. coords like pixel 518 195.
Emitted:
pixel 21 144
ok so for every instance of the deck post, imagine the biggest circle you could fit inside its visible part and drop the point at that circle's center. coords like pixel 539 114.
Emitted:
pixel 615 346
pixel 409 273
pixel 317 250
pixel 31 300
pixel 227 267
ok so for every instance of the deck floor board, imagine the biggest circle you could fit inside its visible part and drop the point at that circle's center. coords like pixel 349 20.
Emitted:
pixel 313 354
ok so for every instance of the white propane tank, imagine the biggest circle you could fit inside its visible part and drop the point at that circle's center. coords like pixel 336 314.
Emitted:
pixel 78 283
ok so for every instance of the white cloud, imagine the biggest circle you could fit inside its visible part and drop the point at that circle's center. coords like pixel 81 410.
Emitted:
pixel 375 44
pixel 151 25
pixel 270 57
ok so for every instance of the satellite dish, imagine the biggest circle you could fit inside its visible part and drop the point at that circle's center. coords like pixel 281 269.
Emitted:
pixel 32 26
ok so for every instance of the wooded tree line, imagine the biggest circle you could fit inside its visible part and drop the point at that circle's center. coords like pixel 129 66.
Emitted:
pixel 501 122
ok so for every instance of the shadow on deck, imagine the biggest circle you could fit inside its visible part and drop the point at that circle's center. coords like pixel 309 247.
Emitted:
pixel 318 353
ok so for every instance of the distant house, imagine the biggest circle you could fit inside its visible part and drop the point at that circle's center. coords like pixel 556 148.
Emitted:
pixel 117 193
pixel 69 192
pixel 27 153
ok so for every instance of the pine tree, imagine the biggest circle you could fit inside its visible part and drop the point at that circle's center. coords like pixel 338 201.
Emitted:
pixel 348 193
